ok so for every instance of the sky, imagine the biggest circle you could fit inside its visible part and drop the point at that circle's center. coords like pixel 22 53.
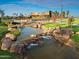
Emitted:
pixel 28 6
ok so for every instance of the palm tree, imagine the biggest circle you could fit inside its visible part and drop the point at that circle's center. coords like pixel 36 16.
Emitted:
pixel 1 14
pixel 67 13
pixel 50 14
pixel 63 14
pixel 55 16
pixel 15 15
pixel 56 13
pixel 21 16
pixel 70 20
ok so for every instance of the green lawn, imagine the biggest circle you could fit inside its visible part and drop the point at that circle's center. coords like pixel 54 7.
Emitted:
pixel 76 21
pixel 75 38
pixel 3 30
pixel 6 55
pixel 75 28
pixel 49 25
pixel 54 25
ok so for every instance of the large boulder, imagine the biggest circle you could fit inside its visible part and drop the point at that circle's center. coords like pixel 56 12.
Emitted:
pixel 11 36
pixel 6 43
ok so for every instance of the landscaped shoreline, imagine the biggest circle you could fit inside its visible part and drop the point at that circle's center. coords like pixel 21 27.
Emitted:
pixel 47 26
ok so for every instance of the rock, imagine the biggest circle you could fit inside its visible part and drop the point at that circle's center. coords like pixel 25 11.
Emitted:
pixel 70 43
pixel 11 36
pixel 32 35
pixel 6 43
pixel 13 47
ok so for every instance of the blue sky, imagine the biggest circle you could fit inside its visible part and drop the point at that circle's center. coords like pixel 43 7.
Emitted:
pixel 28 6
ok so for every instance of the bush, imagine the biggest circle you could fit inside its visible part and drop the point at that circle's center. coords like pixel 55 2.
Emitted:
pixel 16 32
pixel 2 24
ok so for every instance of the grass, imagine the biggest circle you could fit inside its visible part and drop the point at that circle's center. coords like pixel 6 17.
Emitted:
pixel 6 55
pixel 53 25
pixel 76 21
pixel 75 28
pixel 3 30
pixel 49 25
pixel 17 32
pixel 75 38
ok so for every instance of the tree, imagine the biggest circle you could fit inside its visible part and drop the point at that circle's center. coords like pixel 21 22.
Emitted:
pixel 67 13
pixel 50 14
pixel 56 13
pixel 70 20
pixel 63 14
pixel 2 14
pixel 21 15
pixel 15 14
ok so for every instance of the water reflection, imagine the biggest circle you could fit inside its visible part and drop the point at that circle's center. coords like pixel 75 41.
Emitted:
pixel 50 50
pixel 26 32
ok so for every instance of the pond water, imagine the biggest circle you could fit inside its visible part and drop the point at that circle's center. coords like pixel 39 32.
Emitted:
pixel 50 50
pixel 27 32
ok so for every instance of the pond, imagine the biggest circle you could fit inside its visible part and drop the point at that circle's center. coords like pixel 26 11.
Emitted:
pixel 27 32
pixel 50 50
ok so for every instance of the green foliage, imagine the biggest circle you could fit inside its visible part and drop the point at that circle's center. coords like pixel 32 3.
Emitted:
pixel 70 21
pixel 2 24
pixel 75 28
pixel 75 38
pixel 7 55
pixel 3 30
pixel 17 32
